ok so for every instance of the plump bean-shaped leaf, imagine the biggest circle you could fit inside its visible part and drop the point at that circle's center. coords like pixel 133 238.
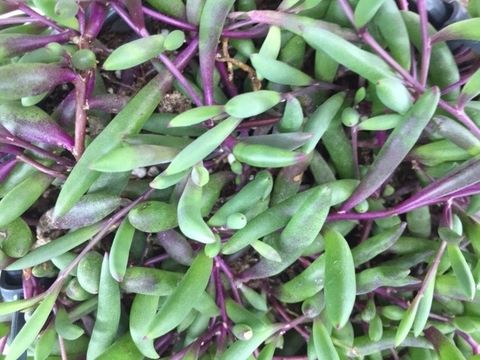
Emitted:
pixel 339 147
pixel 293 52
pixel 108 313
pixel 189 215
pixel 439 152
pixel 471 88
pixel 45 343
pixel 455 132
pixel 376 244
pixel 142 313
pixel 393 94
pixel 266 156
pixel 129 157
pixel 288 181
pixel 371 279
pixel 340 285
pixel 319 121
pixel 123 348
pixel 135 53
pixel 158 123
pixel 51 9
pixel 153 216
pixel 462 270
pixel 16 238
pixel 407 321
pixel 242 350
pixel 33 124
pixel 149 281
pixel 202 146
pixel 419 222
pixel 321 170
pixel 55 247
pixel 424 307
pixel 29 332
pixel 258 301
pixel 311 280
pixel 127 122
pixel 272 43
pixel 196 115
pixel 277 217
pixel 90 209
pixel 288 141
pixel 392 27
pixel 64 326
pixel 279 72
pixel 375 328
pixel 163 181
pixel 179 303
pixel 153 139
pixel 267 251
pixel 363 346
pixel 305 225
pixel 175 8
pixel 120 250
pixel 398 144
pixel 89 272
pixel 352 57
pixel 365 11
pixel 322 341
pixel 8 307
pixel 292 116
pixel 460 30
pixel 252 103
pixel 256 190
pixel 381 122
pixel 22 196
pixel 444 347
pixel 20 80
pixel 176 246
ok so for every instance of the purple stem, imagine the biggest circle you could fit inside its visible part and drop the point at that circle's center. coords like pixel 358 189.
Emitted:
pixel 136 14
pixel 156 259
pixel 35 15
pixel 463 79
pixel 221 304
pixel 254 32
pixel 182 25
pixel 224 76
pixel 470 341
pixel 13 140
pixel 32 42
pixel 181 79
pixel 162 343
pixel 40 167
pixel 204 339
pixel 17 20
pixel 80 115
pixel 231 279
pixel 426 44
